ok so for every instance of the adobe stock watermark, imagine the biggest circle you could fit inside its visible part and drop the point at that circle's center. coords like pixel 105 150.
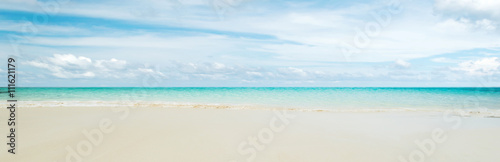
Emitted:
pixel 94 137
pixel 29 28
pixel 428 146
pixel 264 136
pixel 222 7
pixel 364 36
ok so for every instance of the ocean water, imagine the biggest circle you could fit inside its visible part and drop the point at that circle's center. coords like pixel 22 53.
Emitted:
pixel 279 97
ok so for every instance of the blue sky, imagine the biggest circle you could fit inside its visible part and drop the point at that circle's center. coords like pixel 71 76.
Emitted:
pixel 252 42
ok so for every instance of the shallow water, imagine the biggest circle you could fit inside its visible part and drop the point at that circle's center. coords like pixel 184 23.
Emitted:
pixel 285 97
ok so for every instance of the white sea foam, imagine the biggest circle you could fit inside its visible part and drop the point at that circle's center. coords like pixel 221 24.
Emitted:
pixel 480 112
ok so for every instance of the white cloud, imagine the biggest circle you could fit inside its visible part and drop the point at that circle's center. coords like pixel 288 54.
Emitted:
pixel 69 60
pixel 181 72
pixel 469 7
pixel 60 72
pixel 464 25
pixel 112 64
pixel 71 66
pixel 151 72
pixel 407 75
pixel 293 72
pixel 486 24
pixel 471 14
pixel 481 67
pixel 402 64
pixel 443 60
pixel 251 73
pixel 219 71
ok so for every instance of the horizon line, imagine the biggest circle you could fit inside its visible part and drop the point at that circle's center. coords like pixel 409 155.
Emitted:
pixel 263 87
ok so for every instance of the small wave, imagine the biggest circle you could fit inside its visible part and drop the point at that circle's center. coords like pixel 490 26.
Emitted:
pixel 480 112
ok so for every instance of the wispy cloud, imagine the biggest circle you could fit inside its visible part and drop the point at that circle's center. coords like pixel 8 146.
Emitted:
pixel 272 41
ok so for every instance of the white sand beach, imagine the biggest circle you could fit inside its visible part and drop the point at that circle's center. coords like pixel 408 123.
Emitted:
pixel 103 134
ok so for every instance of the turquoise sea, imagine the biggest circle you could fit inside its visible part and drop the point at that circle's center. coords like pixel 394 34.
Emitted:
pixel 287 97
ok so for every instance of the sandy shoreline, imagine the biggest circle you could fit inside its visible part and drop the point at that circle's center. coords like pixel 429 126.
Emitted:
pixel 190 134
